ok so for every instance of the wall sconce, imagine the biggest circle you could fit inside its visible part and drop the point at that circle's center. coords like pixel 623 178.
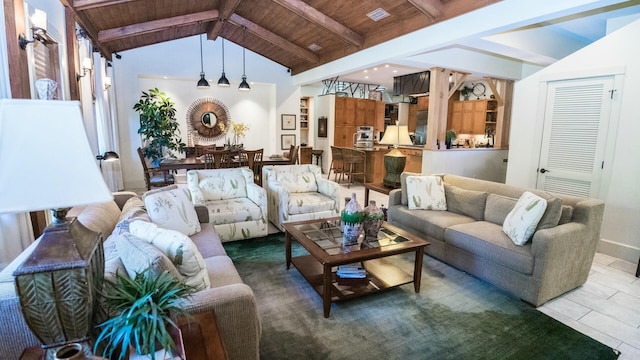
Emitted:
pixel 86 67
pixel 38 30
pixel 107 82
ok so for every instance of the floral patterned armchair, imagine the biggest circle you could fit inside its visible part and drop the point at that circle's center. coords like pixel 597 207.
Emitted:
pixel 236 206
pixel 299 192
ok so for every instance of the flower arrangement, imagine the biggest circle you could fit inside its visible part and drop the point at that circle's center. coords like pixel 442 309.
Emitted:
pixel 239 129
pixel 222 127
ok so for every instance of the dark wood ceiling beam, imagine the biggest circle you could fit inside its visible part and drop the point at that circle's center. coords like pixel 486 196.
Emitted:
pixel 273 38
pixel 156 25
pixel 431 8
pixel 89 29
pixel 302 9
pixel 82 5
pixel 227 9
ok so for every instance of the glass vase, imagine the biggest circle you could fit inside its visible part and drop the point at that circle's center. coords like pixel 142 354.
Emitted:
pixel 373 218
pixel 351 222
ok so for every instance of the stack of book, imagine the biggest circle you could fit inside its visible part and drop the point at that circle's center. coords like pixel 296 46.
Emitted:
pixel 351 271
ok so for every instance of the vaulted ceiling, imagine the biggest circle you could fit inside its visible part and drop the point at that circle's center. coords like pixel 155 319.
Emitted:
pixel 297 34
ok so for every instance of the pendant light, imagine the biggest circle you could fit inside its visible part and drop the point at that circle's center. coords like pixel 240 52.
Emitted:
pixel 202 83
pixel 244 85
pixel 223 81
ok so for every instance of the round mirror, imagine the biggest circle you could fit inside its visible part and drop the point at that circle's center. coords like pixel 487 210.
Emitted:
pixel 209 119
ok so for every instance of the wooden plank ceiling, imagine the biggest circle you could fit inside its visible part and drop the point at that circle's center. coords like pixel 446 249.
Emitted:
pixel 281 30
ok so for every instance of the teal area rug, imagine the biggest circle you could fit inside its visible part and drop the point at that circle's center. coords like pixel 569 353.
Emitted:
pixel 455 316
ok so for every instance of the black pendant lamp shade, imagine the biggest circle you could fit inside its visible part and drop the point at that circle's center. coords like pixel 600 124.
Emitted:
pixel 244 85
pixel 202 83
pixel 223 81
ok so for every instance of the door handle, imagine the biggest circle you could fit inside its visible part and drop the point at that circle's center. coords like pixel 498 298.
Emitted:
pixel 543 170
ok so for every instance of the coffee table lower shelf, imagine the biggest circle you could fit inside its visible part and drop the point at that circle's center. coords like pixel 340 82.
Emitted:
pixel 381 275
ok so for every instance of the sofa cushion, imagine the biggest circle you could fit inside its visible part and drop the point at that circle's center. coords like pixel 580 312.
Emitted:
pixel 426 193
pixel 232 211
pixel 112 261
pixel 403 187
pixel 486 240
pixel 521 222
pixel 132 210
pixel 499 206
pixel 311 202
pixel 222 272
pixel 223 188
pixel 466 202
pixel 171 208
pixel 178 248
pixel 567 214
pixel 100 217
pixel 428 222
pixel 137 255
pixel 298 182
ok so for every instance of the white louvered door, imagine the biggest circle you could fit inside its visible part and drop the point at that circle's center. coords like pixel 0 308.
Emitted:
pixel 575 130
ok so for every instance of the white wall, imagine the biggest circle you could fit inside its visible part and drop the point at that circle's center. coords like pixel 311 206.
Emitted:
pixel 485 164
pixel 272 92
pixel 620 189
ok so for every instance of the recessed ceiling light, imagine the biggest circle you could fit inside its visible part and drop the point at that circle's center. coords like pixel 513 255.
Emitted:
pixel 395 71
pixel 366 77
pixel 375 68
pixel 386 65
pixel 366 71
pixel 314 47
pixel 377 14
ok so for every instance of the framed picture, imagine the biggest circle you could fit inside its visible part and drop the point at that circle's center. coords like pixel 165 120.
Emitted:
pixel 288 121
pixel 322 127
pixel 288 140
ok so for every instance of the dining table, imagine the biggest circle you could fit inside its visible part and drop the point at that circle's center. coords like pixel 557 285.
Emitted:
pixel 196 163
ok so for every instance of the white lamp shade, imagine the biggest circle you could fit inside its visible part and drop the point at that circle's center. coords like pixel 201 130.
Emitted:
pixel 39 19
pixel 396 135
pixel 45 158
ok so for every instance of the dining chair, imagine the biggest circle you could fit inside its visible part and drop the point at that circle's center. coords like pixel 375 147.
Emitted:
pixel 203 149
pixel 293 155
pixel 253 160
pixel 337 163
pixel 152 176
pixel 351 159
pixel 217 159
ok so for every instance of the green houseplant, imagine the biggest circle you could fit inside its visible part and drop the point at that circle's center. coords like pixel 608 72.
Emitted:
pixel 449 136
pixel 158 125
pixel 146 306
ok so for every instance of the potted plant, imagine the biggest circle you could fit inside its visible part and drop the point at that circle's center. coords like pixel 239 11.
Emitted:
pixel 147 307
pixel 466 91
pixel 158 125
pixel 449 136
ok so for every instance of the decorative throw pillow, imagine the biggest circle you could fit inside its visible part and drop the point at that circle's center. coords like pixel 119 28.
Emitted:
pixel 298 182
pixel 426 192
pixel 178 247
pixel 100 217
pixel 171 208
pixel 521 222
pixel 138 255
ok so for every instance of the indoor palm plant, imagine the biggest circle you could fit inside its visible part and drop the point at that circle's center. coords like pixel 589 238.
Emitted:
pixel 146 309
pixel 158 125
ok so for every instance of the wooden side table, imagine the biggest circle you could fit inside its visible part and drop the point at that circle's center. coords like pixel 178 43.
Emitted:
pixel 201 337
pixel 377 187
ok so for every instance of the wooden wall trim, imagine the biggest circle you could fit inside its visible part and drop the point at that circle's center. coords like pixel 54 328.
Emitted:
pixel 18 63
pixel 72 54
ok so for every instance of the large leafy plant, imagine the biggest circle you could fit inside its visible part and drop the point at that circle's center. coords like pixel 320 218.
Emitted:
pixel 158 124
pixel 146 306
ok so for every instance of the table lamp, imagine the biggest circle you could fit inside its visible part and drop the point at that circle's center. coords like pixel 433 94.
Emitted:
pixel 46 163
pixel 394 160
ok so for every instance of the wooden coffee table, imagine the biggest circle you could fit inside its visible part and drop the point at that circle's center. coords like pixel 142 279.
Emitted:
pixel 322 239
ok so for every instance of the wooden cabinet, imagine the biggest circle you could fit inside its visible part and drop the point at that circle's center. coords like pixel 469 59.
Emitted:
pixel 413 118
pixel 305 154
pixel 473 116
pixel 304 113
pixel 414 159
pixel 351 113
pixel 375 165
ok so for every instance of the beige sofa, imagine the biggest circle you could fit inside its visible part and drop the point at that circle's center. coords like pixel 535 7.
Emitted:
pixel 469 236
pixel 233 301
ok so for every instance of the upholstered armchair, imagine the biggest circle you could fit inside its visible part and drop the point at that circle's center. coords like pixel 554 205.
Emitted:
pixel 236 206
pixel 299 192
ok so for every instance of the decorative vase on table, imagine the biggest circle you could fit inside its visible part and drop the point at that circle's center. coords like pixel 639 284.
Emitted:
pixel 46 88
pixel 351 221
pixel 373 218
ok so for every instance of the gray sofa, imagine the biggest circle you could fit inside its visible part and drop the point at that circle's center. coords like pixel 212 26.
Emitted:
pixel 469 236
pixel 233 301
